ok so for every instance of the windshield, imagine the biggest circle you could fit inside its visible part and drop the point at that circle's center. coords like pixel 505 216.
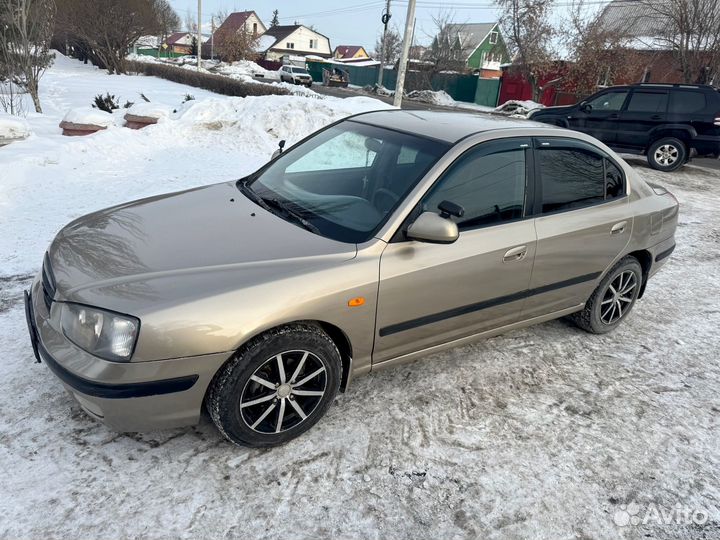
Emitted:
pixel 301 71
pixel 346 180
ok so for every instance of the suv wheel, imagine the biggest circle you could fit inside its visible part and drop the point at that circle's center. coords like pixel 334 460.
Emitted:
pixel 667 154
pixel 277 387
pixel 613 299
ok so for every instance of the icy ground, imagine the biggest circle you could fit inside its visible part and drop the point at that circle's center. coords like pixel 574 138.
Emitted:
pixel 546 432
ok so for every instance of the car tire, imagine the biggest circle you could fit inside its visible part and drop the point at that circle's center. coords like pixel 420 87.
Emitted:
pixel 667 154
pixel 280 410
pixel 613 298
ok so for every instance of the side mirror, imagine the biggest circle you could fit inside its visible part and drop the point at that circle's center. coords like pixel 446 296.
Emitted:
pixel 586 108
pixel 430 227
pixel 279 151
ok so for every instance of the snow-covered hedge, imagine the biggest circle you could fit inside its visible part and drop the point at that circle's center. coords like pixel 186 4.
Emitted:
pixel 215 83
pixel 12 127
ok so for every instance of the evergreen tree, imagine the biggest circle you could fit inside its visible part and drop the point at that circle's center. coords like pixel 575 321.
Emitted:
pixel 275 20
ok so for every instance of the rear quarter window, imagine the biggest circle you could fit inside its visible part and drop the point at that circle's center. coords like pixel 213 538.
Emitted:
pixel 687 102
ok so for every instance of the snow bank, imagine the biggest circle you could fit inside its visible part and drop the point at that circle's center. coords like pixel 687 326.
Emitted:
pixel 439 97
pixel 12 127
pixel 88 115
pixel 151 110
pixel 518 108
pixel 143 58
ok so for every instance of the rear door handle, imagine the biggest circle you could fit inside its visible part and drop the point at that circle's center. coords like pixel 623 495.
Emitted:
pixel 618 228
pixel 656 117
pixel 515 254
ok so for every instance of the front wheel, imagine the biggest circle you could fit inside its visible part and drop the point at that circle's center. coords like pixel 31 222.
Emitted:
pixel 613 299
pixel 277 387
pixel 667 154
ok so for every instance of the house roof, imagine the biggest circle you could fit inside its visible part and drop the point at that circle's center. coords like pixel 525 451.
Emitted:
pixel 639 22
pixel 175 37
pixel 236 20
pixel 280 32
pixel 345 51
pixel 471 35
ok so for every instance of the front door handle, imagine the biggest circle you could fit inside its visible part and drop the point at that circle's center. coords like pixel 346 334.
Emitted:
pixel 618 228
pixel 515 254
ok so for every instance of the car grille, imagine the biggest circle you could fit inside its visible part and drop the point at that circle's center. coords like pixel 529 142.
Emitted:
pixel 48 282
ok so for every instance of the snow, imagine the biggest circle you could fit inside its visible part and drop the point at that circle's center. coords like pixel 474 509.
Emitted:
pixel 151 110
pixel 541 433
pixel 12 127
pixel 518 108
pixel 88 115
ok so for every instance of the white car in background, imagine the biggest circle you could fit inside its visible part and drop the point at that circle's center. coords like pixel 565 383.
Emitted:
pixel 295 75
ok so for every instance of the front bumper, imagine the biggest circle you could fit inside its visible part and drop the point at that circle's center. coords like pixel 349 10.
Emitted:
pixel 131 396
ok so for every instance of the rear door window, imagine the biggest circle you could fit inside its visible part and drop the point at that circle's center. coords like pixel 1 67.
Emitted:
pixel 651 102
pixel 575 175
pixel 687 102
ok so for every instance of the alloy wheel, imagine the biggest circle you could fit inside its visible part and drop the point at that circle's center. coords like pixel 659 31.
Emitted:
pixel 618 297
pixel 666 154
pixel 283 392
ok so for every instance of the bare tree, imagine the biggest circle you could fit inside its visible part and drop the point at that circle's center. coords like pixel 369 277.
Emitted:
pixel 597 52
pixel 449 47
pixel 390 51
pixel 529 34
pixel 190 22
pixel 105 31
pixel 691 29
pixel 168 20
pixel 240 45
pixel 24 45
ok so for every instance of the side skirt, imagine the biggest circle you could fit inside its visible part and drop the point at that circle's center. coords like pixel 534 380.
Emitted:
pixel 475 337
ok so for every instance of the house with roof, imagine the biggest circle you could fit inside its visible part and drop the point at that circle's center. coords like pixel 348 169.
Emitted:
pixel 642 28
pixel 350 53
pixel 479 46
pixel 182 42
pixel 295 40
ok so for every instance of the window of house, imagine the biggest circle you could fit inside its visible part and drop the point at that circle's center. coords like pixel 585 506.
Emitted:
pixel 574 176
pixel 289 45
pixel 313 44
pixel 686 101
pixel 487 181
pixel 646 101
pixel 493 38
pixel 254 28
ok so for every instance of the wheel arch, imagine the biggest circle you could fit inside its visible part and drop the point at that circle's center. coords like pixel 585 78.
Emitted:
pixel 644 257
pixel 681 132
pixel 338 336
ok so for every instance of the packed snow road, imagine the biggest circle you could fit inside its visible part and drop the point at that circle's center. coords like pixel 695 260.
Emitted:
pixel 546 432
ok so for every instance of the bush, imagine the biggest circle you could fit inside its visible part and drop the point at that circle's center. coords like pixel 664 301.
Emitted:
pixel 213 83
pixel 106 103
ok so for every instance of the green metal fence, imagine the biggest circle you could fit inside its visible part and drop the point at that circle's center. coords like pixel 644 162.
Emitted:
pixel 461 87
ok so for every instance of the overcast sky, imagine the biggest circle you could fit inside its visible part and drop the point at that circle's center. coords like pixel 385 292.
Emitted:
pixel 346 23
pixel 354 22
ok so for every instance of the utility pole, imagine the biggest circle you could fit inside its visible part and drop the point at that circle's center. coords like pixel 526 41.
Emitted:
pixel 385 19
pixel 407 38
pixel 199 35
pixel 212 38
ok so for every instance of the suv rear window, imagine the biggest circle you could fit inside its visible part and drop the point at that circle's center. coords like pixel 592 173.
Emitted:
pixel 644 101
pixel 687 101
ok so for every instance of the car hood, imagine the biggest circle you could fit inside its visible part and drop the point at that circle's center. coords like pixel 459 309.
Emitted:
pixel 167 237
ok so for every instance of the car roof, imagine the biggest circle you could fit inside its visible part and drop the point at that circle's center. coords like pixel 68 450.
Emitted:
pixel 447 126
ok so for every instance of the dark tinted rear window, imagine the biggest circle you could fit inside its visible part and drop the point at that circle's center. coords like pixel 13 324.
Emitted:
pixel 687 101
pixel 571 178
pixel 642 101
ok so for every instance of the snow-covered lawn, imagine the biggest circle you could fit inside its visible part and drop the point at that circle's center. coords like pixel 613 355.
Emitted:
pixel 546 432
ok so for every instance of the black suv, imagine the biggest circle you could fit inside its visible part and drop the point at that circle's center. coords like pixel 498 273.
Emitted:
pixel 666 122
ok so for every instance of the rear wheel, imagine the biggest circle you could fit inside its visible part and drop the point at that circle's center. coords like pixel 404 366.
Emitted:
pixel 277 387
pixel 613 299
pixel 667 154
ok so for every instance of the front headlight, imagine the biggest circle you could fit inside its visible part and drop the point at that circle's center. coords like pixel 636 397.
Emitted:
pixel 99 332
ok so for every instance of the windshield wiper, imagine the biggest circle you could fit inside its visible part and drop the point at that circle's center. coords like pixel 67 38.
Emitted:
pixel 269 201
